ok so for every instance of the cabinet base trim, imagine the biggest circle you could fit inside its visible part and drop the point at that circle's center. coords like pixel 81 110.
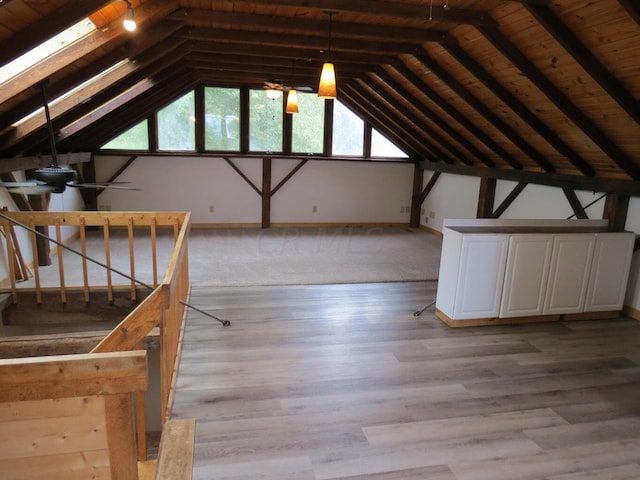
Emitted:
pixel 481 322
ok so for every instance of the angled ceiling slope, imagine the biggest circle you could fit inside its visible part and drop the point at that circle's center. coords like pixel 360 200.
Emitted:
pixel 528 86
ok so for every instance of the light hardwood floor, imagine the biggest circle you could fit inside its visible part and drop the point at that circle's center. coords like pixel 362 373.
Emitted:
pixel 342 381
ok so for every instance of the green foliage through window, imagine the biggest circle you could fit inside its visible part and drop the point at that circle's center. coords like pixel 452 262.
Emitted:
pixel 136 138
pixel 265 122
pixel 308 125
pixel 176 125
pixel 221 119
pixel 224 126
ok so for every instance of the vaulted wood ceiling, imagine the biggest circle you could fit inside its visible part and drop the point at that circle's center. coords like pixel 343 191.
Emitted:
pixel 521 87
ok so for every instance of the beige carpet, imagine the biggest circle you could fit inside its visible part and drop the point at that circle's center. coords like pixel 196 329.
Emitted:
pixel 276 256
pixel 283 256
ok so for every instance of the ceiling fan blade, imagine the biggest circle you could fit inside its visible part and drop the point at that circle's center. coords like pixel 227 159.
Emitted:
pixel 111 185
pixel 19 184
pixel 33 189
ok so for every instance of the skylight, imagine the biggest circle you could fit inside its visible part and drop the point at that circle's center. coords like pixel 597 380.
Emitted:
pixel 45 49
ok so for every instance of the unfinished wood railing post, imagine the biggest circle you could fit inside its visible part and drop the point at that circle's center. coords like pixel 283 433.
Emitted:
pixel 154 250
pixel 141 422
pixel 60 250
pixel 107 256
pixel 83 250
pixel 36 265
pixel 132 261
pixel 10 262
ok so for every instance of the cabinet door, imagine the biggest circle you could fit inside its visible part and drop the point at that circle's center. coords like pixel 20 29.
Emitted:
pixel 526 275
pixel 569 273
pixel 481 276
pixel 609 271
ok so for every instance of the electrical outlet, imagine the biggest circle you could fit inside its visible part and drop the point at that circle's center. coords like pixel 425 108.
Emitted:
pixel 401 209
pixel 212 209
pixel 432 214
pixel 314 209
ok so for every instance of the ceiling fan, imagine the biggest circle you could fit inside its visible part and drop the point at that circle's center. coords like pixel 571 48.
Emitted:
pixel 54 178
pixel 279 86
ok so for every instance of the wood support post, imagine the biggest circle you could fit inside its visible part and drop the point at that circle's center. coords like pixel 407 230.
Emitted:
pixel 416 196
pixel 266 192
pixel 615 210
pixel 486 197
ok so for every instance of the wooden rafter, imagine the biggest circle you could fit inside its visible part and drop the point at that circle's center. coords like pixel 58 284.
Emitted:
pixel 448 152
pixel 438 120
pixel 545 16
pixel 518 107
pixel 485 111
pixel 459 117
pixel 504 45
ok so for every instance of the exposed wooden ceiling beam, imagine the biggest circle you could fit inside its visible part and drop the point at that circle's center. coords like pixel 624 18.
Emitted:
pixel 461 119
pixel 550 21
pixel 304 26
pixel 95 93
pixel 515 56
pixel 51 24
pixel 435 118
pixel 518 107
pixel 505 129
pixel 15 164
pixel 633 7
pixel 353 97
pixel 445 149
pixel 384 9
pixel 299 54
pixel 575 182
pixel 312 43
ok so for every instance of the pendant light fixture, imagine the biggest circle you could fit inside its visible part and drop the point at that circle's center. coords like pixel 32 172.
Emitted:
pixel 129 18
pixel 292 101
pixel 292 95
pixel 327 86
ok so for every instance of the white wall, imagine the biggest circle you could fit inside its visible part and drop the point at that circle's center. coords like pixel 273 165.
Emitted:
pixel 343 192
pixel 456 196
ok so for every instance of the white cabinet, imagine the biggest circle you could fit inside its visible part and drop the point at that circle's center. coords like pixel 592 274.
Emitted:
pixel 569 273
pixel 482 261
pixel 471 275
pixel 526 275
pixel 529 272
pixel 609 272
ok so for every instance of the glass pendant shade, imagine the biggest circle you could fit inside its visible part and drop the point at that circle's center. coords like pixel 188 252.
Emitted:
pixel 327 86
pixel 292 101
pixel 273 94
pixel 129 20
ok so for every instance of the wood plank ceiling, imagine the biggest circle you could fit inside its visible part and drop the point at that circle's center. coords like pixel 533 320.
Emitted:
pixel 521 87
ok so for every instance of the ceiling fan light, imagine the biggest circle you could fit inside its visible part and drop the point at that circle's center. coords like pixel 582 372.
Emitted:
pixel 129 19
pixel 292 101
pixel 273 93
pixel 327 87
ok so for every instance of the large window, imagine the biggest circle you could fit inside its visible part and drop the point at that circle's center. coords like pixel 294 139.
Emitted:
pixel 136 138
pixel 221 119
pixel 221 125
pixel 265 122
pixel 382 147
pixel 176 125
pixel 348 131
pixel 307 134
